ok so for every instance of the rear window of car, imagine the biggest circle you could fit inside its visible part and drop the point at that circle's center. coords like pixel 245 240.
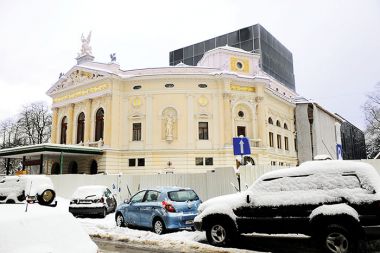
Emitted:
pixel 183 195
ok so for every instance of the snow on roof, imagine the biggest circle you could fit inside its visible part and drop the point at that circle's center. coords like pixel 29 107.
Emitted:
pixel 366 171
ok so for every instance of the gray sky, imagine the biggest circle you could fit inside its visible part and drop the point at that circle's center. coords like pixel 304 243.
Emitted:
pixel 335 44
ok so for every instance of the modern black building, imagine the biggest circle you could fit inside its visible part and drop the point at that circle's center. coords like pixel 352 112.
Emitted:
pixel 276 59
pixel 353 142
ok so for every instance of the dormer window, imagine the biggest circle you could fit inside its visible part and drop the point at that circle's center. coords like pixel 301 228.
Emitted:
pixel 202 85
pixel 137 87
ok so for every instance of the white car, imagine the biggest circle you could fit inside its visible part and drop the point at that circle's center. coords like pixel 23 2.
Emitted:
pixel 31 188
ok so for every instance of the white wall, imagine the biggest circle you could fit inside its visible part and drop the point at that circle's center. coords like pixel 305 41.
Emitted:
pixel 207 185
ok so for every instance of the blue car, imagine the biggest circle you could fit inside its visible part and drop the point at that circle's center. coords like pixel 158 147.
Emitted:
pixel 161 209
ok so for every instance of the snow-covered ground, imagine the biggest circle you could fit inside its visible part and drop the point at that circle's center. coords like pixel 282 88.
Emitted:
pixel 42 229
pixel 182 241
pixel 53 229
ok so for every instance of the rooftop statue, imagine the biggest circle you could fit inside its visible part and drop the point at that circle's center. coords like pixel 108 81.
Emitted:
pixel 86 48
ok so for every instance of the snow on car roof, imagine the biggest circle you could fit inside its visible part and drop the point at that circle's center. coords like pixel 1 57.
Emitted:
pixel 88 190
pixel 367 173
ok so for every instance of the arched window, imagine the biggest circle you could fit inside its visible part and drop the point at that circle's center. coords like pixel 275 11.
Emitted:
pixel 80 128
pixel 63 130
pixel 73 167
pixel 55 169
pixel 270 121
pixel 278 123
pixel 99 124
pixel 285 126
pixel 94 167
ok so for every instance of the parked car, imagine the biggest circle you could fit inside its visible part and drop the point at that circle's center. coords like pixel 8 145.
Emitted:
pixel 161 209
pixel 92 200
pixel 335 202
pixel 31 188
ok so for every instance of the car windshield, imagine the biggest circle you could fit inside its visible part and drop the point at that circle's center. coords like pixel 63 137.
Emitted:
pixel 183 195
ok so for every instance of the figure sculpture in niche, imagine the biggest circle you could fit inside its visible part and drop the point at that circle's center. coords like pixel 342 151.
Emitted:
pixel 169 127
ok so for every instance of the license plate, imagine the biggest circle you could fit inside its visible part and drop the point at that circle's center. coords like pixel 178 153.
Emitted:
pixel 189 222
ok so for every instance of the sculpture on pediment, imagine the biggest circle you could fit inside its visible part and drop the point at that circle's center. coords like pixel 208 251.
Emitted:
pixel 86 48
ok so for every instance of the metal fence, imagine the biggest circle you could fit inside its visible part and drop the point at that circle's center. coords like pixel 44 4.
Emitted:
pixel 207 185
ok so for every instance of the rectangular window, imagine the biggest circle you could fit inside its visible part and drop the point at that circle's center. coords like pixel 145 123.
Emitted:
pixel 271 139
pixel 241 131
pixel 203 130
pixel 132 162
pixel 141 162
pixel 199 161
pixel 279 141
pixel 209 161
pixel 286 141
pixel 136 132
pixel 273 163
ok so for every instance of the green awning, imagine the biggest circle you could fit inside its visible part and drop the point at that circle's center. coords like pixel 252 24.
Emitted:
pixel 48 149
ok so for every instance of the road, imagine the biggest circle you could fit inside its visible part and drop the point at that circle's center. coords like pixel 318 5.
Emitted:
pixel 255 243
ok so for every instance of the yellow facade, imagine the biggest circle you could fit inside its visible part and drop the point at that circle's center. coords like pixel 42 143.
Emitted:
pixel 186 114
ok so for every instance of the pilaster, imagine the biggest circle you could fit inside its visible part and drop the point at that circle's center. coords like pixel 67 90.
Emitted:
pixel 70 123
pixel 54 126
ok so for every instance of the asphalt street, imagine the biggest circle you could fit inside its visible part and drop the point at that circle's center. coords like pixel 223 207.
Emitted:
pixel 255 243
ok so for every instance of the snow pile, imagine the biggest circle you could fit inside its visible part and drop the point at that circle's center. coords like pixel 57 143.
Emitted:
pixel 334 210
pixel 183 241
pixel 41 230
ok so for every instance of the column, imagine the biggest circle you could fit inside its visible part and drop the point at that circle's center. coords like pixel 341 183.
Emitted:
pixel 190 121
pixel 227 119
pixel 107 120
pixel 54 126
pixel 149 122
pixel 215 121
pixel 70 124
pixel 87 122
pixel 261 116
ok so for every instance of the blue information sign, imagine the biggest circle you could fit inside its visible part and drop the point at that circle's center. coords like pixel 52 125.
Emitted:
pixel 339 152
pixel 241 146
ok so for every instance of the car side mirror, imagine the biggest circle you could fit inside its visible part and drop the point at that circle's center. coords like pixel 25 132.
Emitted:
pixel 126 201
pixel 248 199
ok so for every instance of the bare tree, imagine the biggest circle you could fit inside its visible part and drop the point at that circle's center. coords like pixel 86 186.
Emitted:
pixel 35 123
pixel 372 117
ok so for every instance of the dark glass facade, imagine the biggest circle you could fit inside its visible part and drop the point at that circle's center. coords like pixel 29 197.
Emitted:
pixel 276 59
pixel 353 142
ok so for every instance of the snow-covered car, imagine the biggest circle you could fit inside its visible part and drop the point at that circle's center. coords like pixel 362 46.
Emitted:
pixel 92 200
pixel 161 209
pixel 31 188
pixel 335 202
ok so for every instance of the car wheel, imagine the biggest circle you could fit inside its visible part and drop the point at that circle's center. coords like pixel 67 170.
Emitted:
pixel 104 214
pixel 337 239
pixel 47 197
pixel 10 201
pixel 158 227
pixel 120 220
pixel 220 233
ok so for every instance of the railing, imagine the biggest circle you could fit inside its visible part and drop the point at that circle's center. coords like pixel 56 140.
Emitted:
pixel 255 143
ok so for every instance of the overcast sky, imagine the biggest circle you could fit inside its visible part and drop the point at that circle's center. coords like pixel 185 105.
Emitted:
pixel 335 44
